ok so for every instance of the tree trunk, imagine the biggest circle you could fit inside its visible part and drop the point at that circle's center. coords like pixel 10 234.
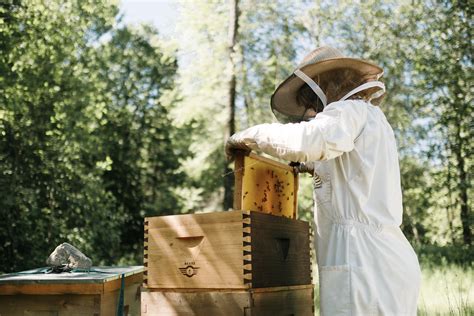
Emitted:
pixel 463 185
pixel 230 129
pixel 451 204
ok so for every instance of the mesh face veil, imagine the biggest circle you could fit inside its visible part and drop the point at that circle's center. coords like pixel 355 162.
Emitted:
pixel 284 100
pixel 322 96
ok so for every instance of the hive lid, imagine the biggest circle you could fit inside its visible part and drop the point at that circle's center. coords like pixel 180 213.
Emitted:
pixel 95 275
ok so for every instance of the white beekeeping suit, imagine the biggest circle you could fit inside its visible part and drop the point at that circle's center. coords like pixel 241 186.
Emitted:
pixel 366 265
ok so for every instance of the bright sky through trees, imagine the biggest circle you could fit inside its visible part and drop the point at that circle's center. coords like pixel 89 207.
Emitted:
pixel 161 13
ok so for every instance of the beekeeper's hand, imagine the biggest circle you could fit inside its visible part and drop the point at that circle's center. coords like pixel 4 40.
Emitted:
pixel 234 146
pixel 302 167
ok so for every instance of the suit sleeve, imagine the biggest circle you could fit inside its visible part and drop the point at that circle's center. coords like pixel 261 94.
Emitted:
pixel 330 134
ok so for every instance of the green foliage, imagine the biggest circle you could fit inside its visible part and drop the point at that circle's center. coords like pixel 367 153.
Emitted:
pixel 268 47
pixel 416 201
pixel 264 56
pixel 432 256
pixel 203 85
pixel 86 145
pixel 442 73
pixel 136 130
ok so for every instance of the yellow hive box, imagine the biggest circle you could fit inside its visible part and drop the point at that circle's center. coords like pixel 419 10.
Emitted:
pixel 265 185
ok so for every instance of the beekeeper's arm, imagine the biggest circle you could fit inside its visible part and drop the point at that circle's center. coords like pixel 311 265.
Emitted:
pixel 330 134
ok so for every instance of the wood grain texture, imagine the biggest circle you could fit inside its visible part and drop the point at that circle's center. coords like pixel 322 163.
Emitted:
pixel 298 301
pixel 109 301
pixel 57 305
pixel 70 299
pixel 72 304
pixel 270 301
pixel 196 251
pixel 232 250
pixel 47 289
pixel 238 177
pixel 280 251
pixel 67 288
pixel 265 185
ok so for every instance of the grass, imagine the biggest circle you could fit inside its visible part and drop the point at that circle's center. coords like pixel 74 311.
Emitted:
pixel 447 290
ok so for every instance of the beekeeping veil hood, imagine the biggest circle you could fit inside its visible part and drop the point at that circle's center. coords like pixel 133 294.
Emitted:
pixel 284 100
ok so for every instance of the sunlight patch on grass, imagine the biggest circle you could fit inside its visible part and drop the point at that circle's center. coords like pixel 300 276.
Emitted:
pixel 447 290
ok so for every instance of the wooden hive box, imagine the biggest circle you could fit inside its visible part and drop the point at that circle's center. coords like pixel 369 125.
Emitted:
pixel 265 185
pixel 276 301
pixel 69 294
pixel 226 250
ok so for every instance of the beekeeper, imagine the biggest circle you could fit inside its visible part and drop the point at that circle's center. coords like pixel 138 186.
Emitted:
pixel 335 129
